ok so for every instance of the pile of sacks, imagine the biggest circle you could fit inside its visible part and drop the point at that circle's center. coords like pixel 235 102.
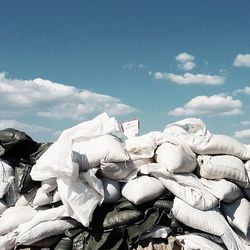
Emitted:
pixel 93 188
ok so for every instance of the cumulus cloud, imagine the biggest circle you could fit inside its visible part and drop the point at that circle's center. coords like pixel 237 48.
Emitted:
pixel 186 61
pixel 209 105
pixel 242 134
pixel 189 78
pixel 245 90
pixel 184 57
pixel 55 100
pixel 242 60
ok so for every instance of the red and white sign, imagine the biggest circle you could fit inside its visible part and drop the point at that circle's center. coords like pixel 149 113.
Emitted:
pixel 131 128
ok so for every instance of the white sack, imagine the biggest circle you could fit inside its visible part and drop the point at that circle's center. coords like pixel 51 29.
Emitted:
pixel 14 216
pixel 3 206
pixel 112 190
pixel 79 198
pixel 194 133
pixel 222 189
pixel 49 185
pixel 175 157
pixel 210 221
pixel 42 198
pixel 185 186
pixel 44 230
pixel 50 214
pixel 6 173
pixel 27 198
pixel 8 241
pixel 90 153
pixel 237 214
pixel 223 167
pixel 123 171
pixel 144 146
pixel 56 161
pixel 142 189
pixel 194 241
pixel 82 196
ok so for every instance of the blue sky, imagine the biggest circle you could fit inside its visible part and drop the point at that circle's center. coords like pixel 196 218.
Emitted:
pixel 64 62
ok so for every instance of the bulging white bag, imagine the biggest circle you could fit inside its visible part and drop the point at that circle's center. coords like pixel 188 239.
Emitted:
pixel 237 214
pixel 14 216
pixel 142 189
pixel 194 241
pixel 194 133
pixel 123 171
pixel 185 186
pixel 49 185
pixel 90 153
pixel 223 167
pixel 210 221
pixel 44 230
pixel 175 157
pixel 222 189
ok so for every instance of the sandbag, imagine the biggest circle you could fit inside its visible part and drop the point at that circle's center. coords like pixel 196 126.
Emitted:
pixel 42 198
pixel 14 216
pixel 143 146
pixel 210 221
pixel 142 189
pixel 112 190
pixel 237 214
pixel 223 167
pixel 194 241
pixel 185 186
pixel 16 144
pixel 123 171
pixel 27 198
pixel 49 185
pixel 44 230
pixel 195 134
pixel 23 180
pixel 175 157
pixel 106 148
pixel 56 161
pixel 224 190
pixel 8 241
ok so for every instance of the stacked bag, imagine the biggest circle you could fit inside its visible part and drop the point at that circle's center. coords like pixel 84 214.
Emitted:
pixel 93 188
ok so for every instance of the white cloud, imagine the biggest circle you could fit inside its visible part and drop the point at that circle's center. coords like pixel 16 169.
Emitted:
pixel 188 66
pixel 54 100
pixel 186 61
pixel 209 105
pixel 242 60
pixel 245 123
pixel 30 129
pixel 184 57
pixel 245 90
pixel 242 134
pixel 189 78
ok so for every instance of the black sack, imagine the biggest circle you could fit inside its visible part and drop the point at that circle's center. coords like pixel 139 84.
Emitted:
pixel 23 180
pixel 16 144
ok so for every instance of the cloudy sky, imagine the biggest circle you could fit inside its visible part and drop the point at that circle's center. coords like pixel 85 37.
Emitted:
pixel 64 62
